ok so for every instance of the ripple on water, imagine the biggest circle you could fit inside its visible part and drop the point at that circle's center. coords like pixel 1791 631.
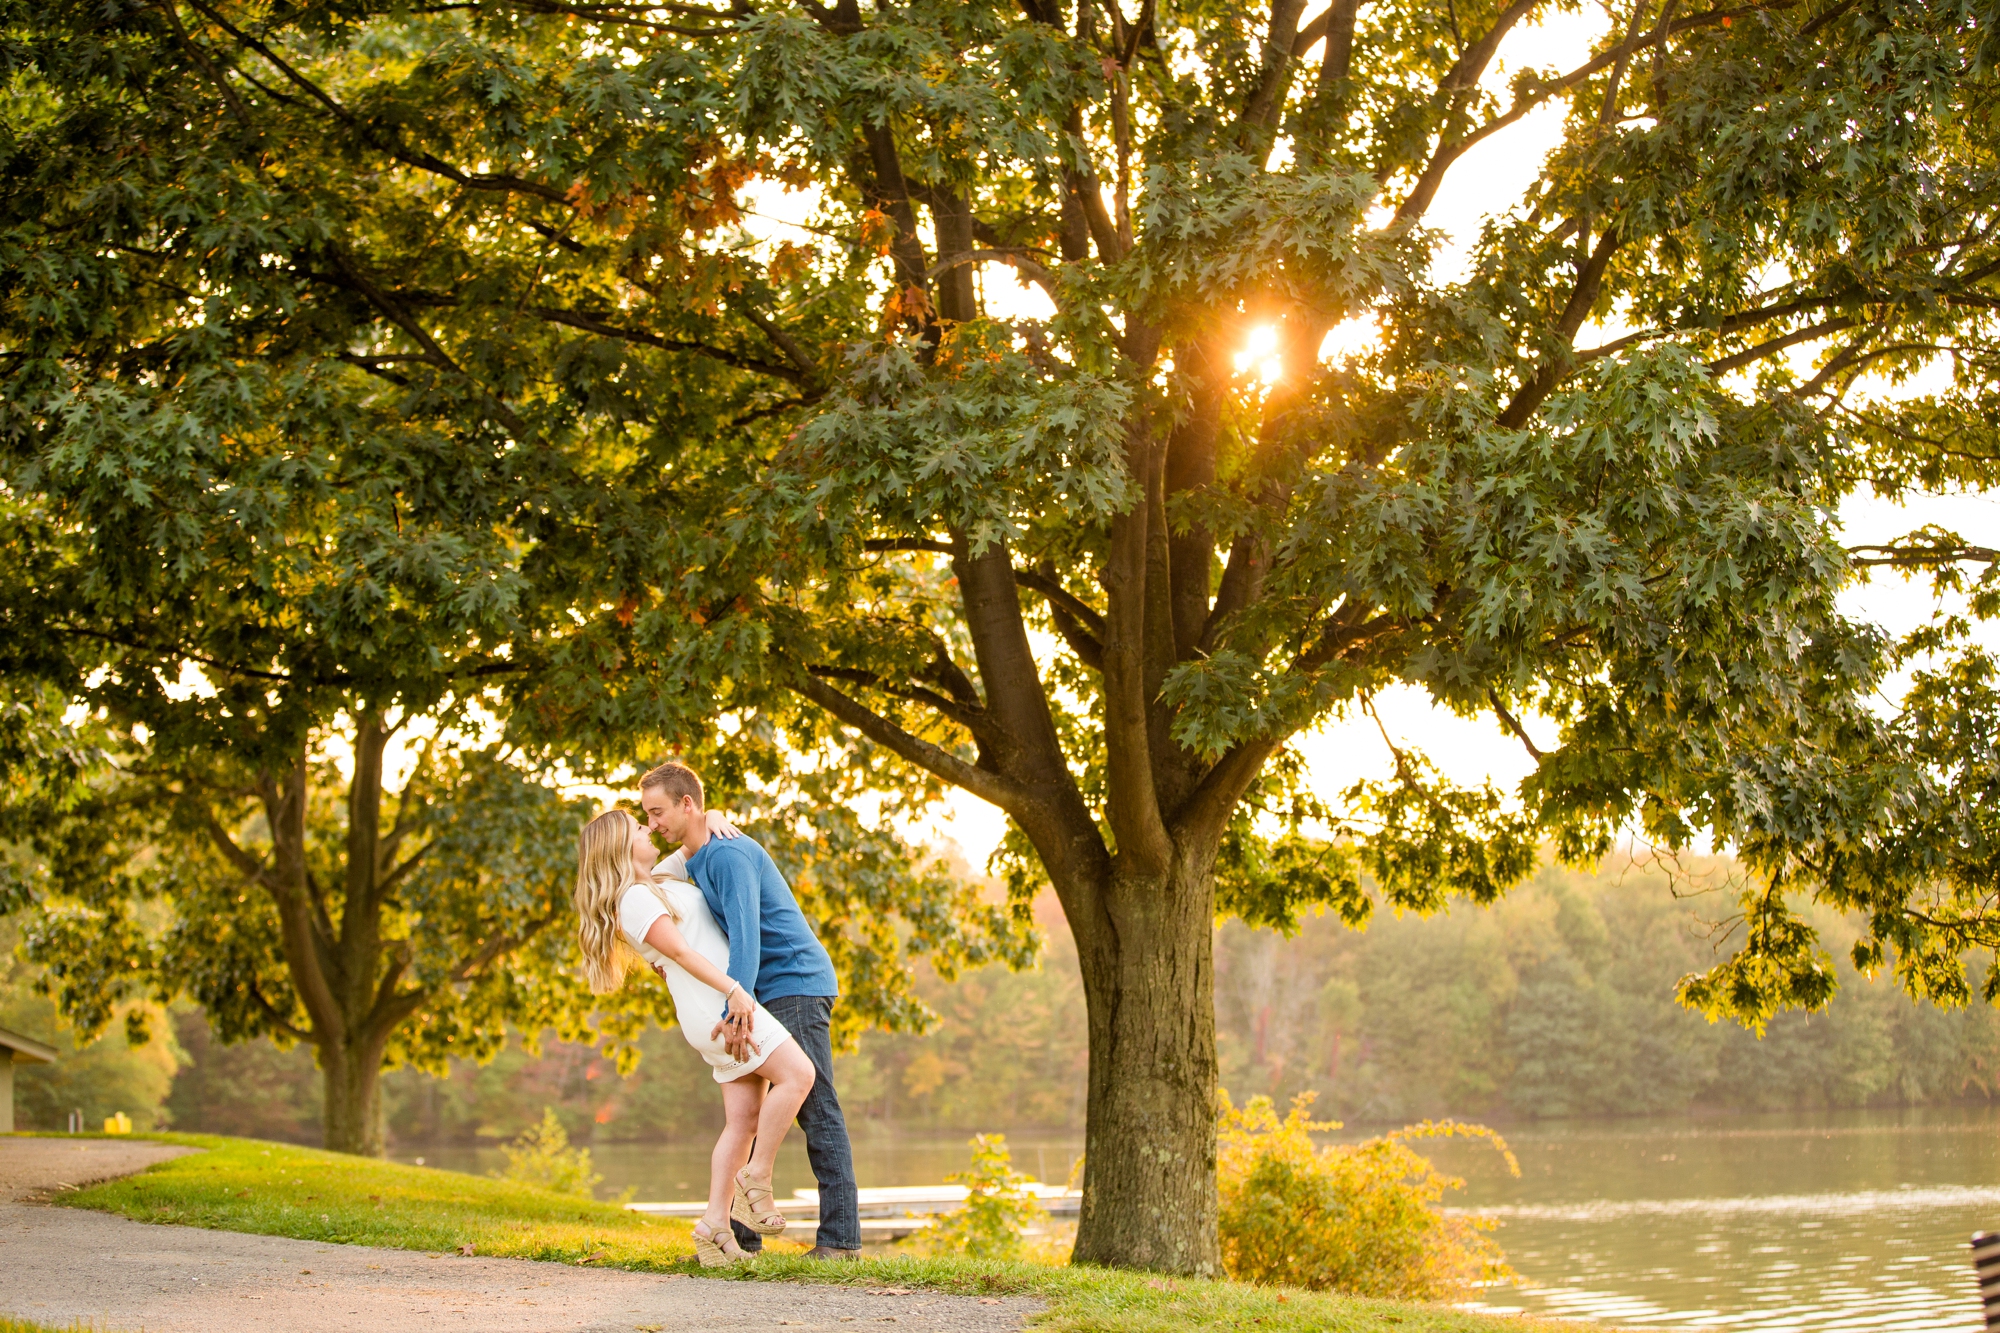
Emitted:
pixel 1871 1261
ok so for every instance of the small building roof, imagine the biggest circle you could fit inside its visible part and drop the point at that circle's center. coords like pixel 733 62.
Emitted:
pixel 26 1048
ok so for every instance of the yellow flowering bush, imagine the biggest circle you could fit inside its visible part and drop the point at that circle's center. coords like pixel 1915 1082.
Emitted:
pixel 1361 1218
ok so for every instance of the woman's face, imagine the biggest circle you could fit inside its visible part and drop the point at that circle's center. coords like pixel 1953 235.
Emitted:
pixel 643 851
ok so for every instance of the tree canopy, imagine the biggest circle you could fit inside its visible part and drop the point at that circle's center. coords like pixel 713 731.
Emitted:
pixel 614 453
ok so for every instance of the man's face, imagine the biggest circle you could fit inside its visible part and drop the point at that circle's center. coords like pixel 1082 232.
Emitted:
pixel 666 816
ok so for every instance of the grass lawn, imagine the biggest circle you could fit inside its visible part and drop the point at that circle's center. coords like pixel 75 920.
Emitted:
pixel 277 1190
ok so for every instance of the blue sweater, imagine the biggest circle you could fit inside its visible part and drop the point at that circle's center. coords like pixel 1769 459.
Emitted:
pixel 772 951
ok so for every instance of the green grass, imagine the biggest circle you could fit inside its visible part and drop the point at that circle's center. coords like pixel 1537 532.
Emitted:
pixel 277 1190
pixel 274 1189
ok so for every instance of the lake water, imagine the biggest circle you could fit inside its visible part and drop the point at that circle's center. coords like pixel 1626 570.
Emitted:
pixel 661 1173
pixel 1783 1223
pixel 1802 1223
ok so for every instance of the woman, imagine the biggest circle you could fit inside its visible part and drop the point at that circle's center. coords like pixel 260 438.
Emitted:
pixel 624 906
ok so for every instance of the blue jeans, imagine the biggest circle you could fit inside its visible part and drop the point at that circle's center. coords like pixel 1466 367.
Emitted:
pixel 809 1018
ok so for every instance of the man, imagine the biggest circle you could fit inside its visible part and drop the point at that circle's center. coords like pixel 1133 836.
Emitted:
pixel 774 955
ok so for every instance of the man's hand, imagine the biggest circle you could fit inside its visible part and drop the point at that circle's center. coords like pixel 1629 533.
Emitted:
pixel 718 827
pixel 735 1038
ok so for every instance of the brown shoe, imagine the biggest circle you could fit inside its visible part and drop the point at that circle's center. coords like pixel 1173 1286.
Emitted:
pixel 828 1252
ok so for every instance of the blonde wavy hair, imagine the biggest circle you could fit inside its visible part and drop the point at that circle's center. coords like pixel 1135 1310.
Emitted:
pixel 604 870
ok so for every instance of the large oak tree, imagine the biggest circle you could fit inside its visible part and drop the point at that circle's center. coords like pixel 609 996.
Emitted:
pixel 1072 561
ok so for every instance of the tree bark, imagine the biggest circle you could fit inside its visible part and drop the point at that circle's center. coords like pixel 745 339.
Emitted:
pixel 338 967
pixel 351 1107
pixel 1149 1195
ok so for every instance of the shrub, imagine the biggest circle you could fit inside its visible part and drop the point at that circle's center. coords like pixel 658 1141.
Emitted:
pixel 997 1213
pixel 542 1156
pixel 1360 1218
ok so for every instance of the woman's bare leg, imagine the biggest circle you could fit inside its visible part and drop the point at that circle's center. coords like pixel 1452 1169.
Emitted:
pixel 742 1099
pixel 790 1077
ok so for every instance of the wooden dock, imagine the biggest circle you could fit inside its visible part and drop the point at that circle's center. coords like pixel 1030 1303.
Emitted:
pixel 888 1213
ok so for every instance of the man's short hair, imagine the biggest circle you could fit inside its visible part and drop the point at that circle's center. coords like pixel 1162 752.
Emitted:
pixel 676 779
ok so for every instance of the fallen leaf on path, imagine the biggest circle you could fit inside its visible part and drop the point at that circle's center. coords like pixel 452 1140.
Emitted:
pixel 594 1258
pixel 305 1272
pixel 989 1300
pixel 889 1291
pixel 465 1250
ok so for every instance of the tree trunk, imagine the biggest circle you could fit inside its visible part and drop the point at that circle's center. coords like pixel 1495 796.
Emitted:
pixel 1149 1197
pixel 351 1108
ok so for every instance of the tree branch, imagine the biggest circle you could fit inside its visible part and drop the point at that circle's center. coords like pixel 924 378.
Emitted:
pixel 629 16
pixel 1919 557
pixel 1728 363
pixel 421 160
pixel 208 67
pixel 1733 323
pixel 400 871
pixel 1133 582
pixel 178 653
pixel 245 864
pixel 983 783
pixel 1460 80
pixel 1513 723
pixel 1338 26
pixel 1267 100
pixel 1015 256
pixel 781 339
pixel 597 324
pixel 1088 648
pixel 1045 583
pixel 1424 192
pixel 973 718
pixel 276 1019
pixel 1562 361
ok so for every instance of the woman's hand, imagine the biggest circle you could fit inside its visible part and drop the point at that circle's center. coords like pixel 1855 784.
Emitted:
pixel 739 1013
pixel 718 827
pixel 733 1030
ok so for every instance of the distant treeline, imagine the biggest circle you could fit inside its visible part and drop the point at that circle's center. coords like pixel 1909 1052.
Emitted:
pixel 1558 1001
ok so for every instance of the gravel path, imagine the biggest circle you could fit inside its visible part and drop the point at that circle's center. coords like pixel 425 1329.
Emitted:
pixel 59 1265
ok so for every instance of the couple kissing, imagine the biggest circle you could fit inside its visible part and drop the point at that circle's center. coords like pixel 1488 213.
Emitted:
pixel 753 990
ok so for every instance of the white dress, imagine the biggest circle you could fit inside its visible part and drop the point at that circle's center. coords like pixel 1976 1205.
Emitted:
pixel 696 1004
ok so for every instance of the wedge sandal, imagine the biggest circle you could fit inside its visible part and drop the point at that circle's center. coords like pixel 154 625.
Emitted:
pixel 760 1215
pixel 716 1249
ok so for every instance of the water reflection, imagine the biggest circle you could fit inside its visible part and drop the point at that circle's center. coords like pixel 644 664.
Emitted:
pixel 1801 1223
